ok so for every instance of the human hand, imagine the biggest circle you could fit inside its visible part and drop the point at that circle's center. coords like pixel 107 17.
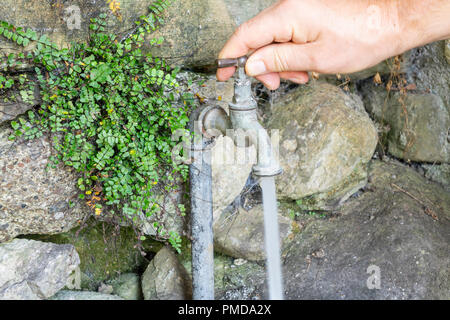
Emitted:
pixel 329 36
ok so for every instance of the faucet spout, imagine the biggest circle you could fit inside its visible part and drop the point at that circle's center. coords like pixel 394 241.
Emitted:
pixel 243 120
pixel 248 131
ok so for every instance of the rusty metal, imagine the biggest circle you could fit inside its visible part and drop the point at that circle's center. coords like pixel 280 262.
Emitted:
pixel 234 62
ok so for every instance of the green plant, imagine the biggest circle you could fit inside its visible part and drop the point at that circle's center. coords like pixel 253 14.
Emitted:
pixel 110 111
pixel 305 207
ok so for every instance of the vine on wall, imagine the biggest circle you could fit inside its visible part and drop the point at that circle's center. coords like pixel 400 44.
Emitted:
pixel 110 110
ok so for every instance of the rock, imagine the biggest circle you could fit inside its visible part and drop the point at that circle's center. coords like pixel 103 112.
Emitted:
pixel 34 198
pixel 388 229
pixel 232 281
pixel 168 216
pixel 240 234
pixel 33 270
pixel 105 289
pixel 326 140
pixel 243 10
pixel 105 251
pixel 66 22
pixel 10 110
pixel 438 173
pixel 127 286
pixel 231 167
pixel 430 72
pixel 206 88
pixel 420 136
pixel 426 136
pixel 83 295
pixel 13 105
pixel 165 278
pixel 194 30
pixel 447 50
pixel 384 228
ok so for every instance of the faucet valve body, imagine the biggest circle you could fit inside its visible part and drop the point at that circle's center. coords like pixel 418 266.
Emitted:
pixel 243 119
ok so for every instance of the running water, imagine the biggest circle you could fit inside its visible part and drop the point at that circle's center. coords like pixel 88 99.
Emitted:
pixel 272 238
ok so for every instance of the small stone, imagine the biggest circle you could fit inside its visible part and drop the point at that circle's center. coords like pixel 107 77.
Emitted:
pixel 127 286
pixel 83 295
pixel 165 278
pixel 239 262
pixel 105 289
pixel 423 137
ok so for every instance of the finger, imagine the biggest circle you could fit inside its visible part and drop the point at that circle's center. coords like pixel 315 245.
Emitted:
pixel 224 74
pixel 270 80
pixel 283 57
pixel 259 31
pixel 299 77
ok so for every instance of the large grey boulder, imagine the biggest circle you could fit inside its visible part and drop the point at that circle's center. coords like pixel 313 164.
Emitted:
pixel 165 278
pixel 326 140
pixel 390 242
pixel 65 22
pixel 387 244
pixel 33 197
pixel 33 270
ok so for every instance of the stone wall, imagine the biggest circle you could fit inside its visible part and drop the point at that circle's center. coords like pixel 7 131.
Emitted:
pixel 366 165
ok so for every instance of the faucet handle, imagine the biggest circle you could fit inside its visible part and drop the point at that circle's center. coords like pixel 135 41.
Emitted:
pixel 234 62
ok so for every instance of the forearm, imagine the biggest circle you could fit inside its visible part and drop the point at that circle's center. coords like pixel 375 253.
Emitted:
pixel 422 21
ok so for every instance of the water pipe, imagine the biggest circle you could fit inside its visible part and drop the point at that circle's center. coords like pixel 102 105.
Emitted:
pixel 245 130
pixel 201 214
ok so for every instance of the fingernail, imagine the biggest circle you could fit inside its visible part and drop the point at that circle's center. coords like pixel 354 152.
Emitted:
pixel 298 80
pixel 256 68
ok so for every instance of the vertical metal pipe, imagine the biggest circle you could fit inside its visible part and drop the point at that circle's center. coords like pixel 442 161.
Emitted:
pixel 201 222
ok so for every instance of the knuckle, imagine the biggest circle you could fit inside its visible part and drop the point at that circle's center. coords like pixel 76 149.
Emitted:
pixel 242 30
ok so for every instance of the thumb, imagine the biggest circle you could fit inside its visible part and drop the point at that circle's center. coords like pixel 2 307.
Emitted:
pixel 282 57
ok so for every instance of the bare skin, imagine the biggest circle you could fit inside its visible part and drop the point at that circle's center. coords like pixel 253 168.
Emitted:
pixel 293 37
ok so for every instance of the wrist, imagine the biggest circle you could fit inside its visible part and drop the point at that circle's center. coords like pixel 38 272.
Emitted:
pixel 422 22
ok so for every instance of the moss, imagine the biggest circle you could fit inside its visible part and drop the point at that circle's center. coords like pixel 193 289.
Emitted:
pixel 227 275
pixel 104 251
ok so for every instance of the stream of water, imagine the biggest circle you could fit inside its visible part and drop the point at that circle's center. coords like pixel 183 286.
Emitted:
pixel 272 238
